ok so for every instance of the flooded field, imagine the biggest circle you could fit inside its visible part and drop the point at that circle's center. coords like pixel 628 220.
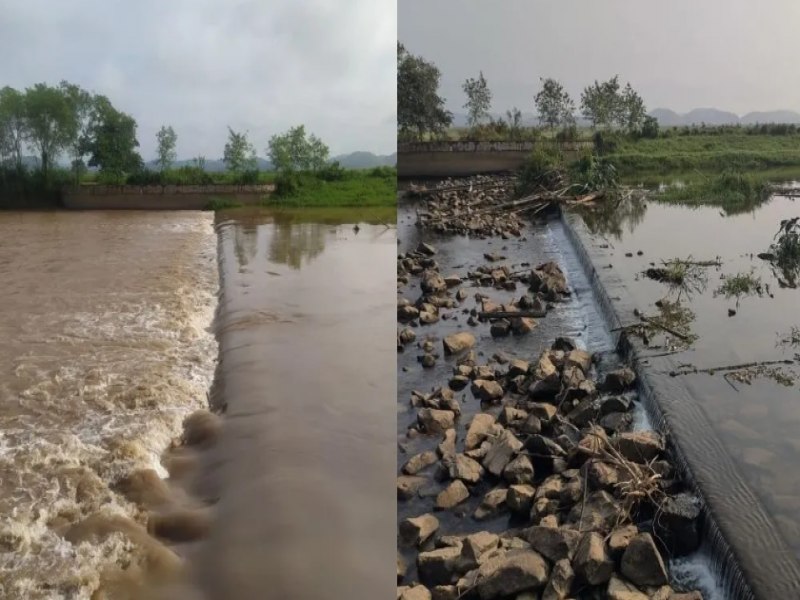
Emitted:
pixel 728 360
pixel 303 466
pixel 106 346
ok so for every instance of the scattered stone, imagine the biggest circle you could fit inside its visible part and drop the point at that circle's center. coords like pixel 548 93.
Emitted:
pixel 416 530
pixel 642 563
pixel 522 325
pixel 439 566
pixel 418 592
pixel 458 382
pixel 406 336
pixel 465 469
pixel 620 538
pixel 479 429
pixel 436 421
pixel 452 495
pixel 428 361
pixel 512 573
pixel 677 524
pixel 618 381
pixel 500 328
pixel 418 462
pixel 592 561
pixel 447 447
pixel 458 342
pixel 501 453
pixel 579 358
pixel 486 390
pixel 561 578
pixel 519 470
pixel 426 249
pixel 520 498
pixel 639 446
pixel 491 505
pixel 554 543
pixel 619 589
pixel 445 592
pixel 408 485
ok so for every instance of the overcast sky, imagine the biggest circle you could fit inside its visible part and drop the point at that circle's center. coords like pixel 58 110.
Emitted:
pixel 201 65
pixel 736 55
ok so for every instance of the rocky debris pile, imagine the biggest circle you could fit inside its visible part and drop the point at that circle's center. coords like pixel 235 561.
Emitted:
pixel 442 296
pixel 595 507
pixel 478 206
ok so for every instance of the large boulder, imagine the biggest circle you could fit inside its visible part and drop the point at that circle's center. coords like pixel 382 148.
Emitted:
pixel 432 282
pixel 520 498
pixel 515 572
pixel 618 381
pixel 642 563
pixel 519 470
pixel 418 592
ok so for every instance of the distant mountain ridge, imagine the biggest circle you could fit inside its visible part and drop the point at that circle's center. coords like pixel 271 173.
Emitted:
pixel 714 116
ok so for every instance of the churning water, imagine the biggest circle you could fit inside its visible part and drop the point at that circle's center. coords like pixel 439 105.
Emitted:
pixel 105 347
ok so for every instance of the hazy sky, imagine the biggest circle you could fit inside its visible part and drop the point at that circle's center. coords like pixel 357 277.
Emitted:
pixel 201 65
pixel 736 55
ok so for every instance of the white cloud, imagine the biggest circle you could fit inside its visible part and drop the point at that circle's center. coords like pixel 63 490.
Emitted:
pixel 202 65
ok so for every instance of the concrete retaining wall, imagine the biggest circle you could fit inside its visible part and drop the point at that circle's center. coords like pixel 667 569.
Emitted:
pixel 459 159
pixel 161 197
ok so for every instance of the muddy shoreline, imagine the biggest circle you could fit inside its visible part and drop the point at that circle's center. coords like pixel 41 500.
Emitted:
pixel 507 501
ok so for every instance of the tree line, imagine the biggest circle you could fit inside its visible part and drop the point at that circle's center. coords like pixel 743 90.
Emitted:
pixel 66 120
pixel 421 113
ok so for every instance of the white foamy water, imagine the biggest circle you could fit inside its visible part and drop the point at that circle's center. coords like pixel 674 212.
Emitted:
pixel 106 346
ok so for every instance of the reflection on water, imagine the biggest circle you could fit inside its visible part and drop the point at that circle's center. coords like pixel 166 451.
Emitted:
pixel 304 464
pixel 612 217
pixel 750 398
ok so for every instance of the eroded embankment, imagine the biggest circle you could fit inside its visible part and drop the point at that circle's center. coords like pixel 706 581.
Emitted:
pixel 520 493
pixel 747 549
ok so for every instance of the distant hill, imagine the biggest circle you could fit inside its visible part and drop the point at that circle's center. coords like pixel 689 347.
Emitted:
pixel 713 116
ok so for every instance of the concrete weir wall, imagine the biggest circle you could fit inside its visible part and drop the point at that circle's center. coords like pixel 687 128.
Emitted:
pixel 460 159
pixel 750 557
pixel 160 197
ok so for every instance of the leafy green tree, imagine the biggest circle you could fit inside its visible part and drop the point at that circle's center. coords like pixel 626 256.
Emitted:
pixel 632 113
pixel 111 141
pixel 80 103
pixel 167 139
pixel 554 104
pixel 13 125
pixel 479 100
pixel 239 155
pixel 650 127
pixel 420 109
pixel 295 151
pixel 514 118
pixel 602 103
pixel 51 122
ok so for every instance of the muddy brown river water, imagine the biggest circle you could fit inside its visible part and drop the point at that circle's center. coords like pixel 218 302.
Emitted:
pixel 106 346
pixel 110 339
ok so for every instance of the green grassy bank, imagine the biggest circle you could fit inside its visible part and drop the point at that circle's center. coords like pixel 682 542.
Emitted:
pixel 646 159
